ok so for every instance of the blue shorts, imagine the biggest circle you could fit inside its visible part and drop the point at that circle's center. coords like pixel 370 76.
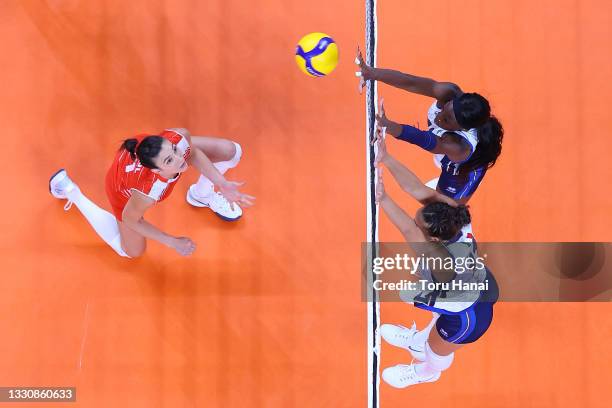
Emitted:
pixel 469 325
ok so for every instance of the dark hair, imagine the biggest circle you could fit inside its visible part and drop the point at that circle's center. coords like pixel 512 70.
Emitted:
pixel 147 150
pixel 444 220
pixel 472 111
pixel 489 147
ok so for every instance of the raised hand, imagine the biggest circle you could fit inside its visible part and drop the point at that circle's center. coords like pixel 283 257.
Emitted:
pixel 381 116
pixel 229 190
pixel 381 153
pixel 365 72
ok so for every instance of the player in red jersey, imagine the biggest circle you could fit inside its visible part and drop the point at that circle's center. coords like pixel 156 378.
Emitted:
pixel 144 172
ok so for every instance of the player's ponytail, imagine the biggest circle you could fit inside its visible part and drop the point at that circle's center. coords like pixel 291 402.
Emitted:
pixel 145 151
pixel 445 221
pixel 130 146
pixel 489 147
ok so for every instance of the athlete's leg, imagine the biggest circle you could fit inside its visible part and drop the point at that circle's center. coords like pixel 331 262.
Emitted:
pixel 405 375
pixel 132 242
pixel 225 155
pixel 409 338
pixel 216 149
pixel 103 222
pixel 439 355
pixel 421 337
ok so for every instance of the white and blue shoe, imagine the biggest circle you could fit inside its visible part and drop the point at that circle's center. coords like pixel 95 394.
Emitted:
pixel 403 337
pixel 60 185
pixel 216 202
pixel 405 375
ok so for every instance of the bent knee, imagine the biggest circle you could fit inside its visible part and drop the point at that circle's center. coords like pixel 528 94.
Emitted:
pixel 236 152
pixel 134 251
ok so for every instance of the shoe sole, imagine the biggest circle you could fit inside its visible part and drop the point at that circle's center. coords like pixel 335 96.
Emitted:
pixel 435 378
pixel 199 204
pixel 51 179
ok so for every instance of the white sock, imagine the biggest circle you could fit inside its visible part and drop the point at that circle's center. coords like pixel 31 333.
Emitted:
pixel 103 222
pixel 421 337
pixel 204 186
pixel 434 363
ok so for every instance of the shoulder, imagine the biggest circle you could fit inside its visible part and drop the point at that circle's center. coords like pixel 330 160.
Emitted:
pixel 445 91
pixel 178 136
pixel 456 146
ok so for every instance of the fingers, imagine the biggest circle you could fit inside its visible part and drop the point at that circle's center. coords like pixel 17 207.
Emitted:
pixel 381 109
pixel 187 247
pixel 377 136
pixel 361 83
pixel 247 200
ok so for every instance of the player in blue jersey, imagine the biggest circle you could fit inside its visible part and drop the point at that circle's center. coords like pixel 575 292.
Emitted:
pixel 462 134
pixel 438 230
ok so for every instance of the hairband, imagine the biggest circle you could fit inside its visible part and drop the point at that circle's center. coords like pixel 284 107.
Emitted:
pixel 458 109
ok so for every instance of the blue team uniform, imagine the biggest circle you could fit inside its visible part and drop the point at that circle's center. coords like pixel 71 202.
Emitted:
pixel 464 316
pixel 451 183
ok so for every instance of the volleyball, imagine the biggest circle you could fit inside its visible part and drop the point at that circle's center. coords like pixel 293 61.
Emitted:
pixel 316 54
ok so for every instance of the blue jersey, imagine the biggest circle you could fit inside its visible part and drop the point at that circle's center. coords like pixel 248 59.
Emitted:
pixel 451 183
pixel 455 185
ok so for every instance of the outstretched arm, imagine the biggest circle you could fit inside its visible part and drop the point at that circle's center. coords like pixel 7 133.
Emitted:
pixel 407 180
pixel 450 144
pixel 412 233
pixel 402 221
pixel 133 214
pixel 442 91
pixel 205 166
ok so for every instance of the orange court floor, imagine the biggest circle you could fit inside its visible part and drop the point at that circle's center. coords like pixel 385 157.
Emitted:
pixel 267 312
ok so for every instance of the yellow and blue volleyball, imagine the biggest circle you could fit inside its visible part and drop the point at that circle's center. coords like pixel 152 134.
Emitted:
pixel 316 54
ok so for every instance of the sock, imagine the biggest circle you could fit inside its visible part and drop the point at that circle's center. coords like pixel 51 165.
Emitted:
pixel 204 186
pixel 103 222
pixel 421 337
pixel 434 363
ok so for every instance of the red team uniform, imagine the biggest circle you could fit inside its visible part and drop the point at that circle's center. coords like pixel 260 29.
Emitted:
pixel 127 174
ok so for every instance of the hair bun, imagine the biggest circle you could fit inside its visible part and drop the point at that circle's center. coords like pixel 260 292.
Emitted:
pixel 462 214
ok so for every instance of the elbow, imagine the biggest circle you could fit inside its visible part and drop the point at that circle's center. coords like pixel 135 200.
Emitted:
pixel 131 220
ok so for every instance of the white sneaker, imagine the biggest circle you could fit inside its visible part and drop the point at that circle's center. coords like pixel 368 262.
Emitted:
pixel 400 336
pixel 215 202
pixel 60 185
pixel 405 375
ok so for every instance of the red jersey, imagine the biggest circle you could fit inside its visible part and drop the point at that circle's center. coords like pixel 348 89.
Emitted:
pixel 127 174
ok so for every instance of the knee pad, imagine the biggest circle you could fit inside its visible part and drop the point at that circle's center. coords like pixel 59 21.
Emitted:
pixel 236 159
pixel 231 163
